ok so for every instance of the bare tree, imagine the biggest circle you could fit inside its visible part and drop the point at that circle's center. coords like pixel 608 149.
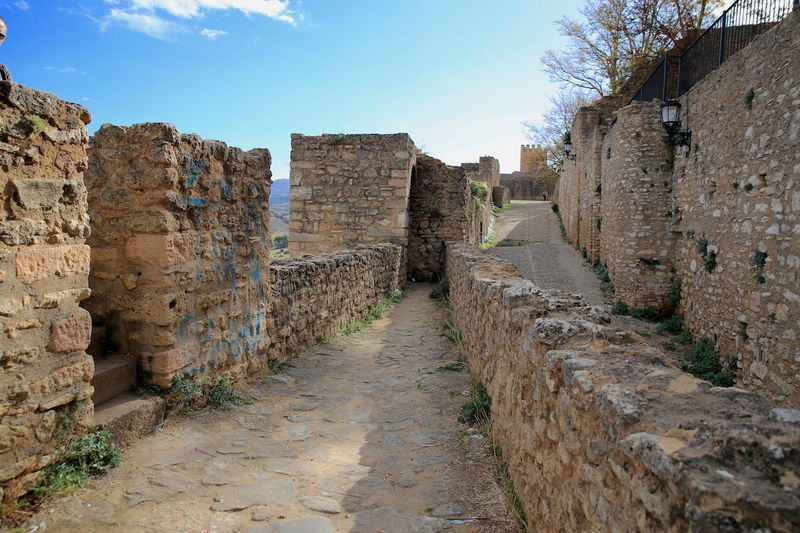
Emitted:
pixel 549 131
pixel 617 38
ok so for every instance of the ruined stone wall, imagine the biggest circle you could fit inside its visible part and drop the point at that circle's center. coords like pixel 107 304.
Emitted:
pixel 532 159
pixel 44 268
pixel 348 190
pixel 599 430
pixel 637 242
pixel 180 251
pixel 489 171
pixel 314 297
pixel 523 186
pixel 501 196
pixel 439 211
pixel 740 188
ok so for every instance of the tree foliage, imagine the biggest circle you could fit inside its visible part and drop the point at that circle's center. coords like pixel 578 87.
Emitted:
pixel 549 132
pixel 615 40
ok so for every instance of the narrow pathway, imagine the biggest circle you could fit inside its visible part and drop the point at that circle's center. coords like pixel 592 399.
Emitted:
pixel 533 244
pixel 360 435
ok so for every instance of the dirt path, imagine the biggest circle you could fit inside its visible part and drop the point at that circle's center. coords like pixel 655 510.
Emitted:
pixel 359 436
pixel 533 236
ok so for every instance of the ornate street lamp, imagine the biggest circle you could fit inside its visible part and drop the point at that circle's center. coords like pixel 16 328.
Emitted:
pixel 671 119
pixel 568 150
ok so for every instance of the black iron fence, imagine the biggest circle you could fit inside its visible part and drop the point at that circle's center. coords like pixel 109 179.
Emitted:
pixel 733 30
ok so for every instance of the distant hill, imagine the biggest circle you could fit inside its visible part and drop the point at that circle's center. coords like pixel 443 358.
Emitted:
pixel 279 194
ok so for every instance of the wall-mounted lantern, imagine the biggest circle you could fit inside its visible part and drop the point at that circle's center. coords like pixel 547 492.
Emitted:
pixel 568 151
pixel 671 119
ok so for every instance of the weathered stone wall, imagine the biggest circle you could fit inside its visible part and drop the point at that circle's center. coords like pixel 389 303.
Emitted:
pixel 314 297
pixel 532 159
pixel 439 211
pixel 501 196
pixel 525 186
pixel 724 215
pixel 489 171
pixel 580 184
pixel 348 190
pixel 601 433
pixel 637 244
pixel 180 250
pixel 740 188
pixel 44 268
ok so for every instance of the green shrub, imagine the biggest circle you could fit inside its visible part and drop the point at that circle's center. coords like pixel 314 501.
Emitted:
pixel 710 262
pixel 620 308
pixel 702 245
pixel 31 124
pixel 478 189
pixel 89 455
pixel 554 207
pixel 673 324
pixel 759 260
pixel 441 291
pixel 222 394
pixel 704 362
pixel 646 313
pixel 477 410
pixel 748 187
pixel 674 297
pixel 684 337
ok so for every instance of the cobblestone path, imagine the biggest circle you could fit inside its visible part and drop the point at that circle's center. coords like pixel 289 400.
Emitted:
pixel 533 244
pixel 359 436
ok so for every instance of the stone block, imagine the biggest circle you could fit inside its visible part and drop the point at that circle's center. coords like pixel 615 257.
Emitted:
pixel 72 333
pixel 35 263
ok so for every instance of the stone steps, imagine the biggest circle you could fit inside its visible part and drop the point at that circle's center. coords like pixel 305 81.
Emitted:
pixel 113 375
pixel 128 416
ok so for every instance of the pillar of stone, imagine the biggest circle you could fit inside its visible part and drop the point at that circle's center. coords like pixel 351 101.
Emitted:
pixel 180 251
pixel 44 268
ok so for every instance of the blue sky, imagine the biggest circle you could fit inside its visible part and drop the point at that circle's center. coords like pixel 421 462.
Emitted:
pixel 459 76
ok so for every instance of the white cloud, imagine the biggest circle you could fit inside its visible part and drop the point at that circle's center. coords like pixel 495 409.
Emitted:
pixel 64 70
pixel 22 4
pixel 274 9
pixel 147 23
pixel 213 34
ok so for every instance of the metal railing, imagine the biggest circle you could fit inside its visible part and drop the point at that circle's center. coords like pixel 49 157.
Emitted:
pixel 737 27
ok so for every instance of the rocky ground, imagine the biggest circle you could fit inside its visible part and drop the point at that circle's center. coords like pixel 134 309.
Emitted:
pixel 359 435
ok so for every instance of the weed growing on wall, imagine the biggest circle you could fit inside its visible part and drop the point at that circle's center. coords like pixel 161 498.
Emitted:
pixel 747 98
pixel 674 297
pixel 478 189
pixel 759 260
pixel 710 263
pixel 704 362
pixel 31 124
pixel 90 455
pixel 673 324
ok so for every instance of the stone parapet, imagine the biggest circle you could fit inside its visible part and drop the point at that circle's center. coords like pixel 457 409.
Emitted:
pixel 600 431
pixel 44 266
pixel 180 251
pixel 441 210
pixel 348 190
pixel 314 297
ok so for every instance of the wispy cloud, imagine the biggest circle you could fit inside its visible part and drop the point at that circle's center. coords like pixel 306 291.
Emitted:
pixel 147 23
pixel 65 70
pixel 212 34
pixel 156 18
pixel 22 4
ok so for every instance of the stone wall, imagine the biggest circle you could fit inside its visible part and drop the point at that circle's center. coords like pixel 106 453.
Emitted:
pixel 348 190
pixel 599 430
pixel 501 196
pixel 180 251
pixel 636 240
pixel 439 211
pixel 44 268
pixel 722 217
pixel 525 186
pixel 740 188
pixel 314 297
pixel 532 159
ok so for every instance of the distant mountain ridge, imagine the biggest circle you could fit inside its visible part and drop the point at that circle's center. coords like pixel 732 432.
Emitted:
pixel 279 193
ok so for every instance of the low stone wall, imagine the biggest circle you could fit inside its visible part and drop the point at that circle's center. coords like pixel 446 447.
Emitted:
pixel 314 297
pixel 501 196
pixel 601 432
pixel 44 268
pixel 180 249
pixel 438 212
pixel 348 190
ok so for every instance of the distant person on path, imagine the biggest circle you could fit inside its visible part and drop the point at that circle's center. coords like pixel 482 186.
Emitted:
pixel 5 75
pixel 544 196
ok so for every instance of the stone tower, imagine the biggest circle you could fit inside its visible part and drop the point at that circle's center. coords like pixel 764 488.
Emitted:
pixel 532 157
